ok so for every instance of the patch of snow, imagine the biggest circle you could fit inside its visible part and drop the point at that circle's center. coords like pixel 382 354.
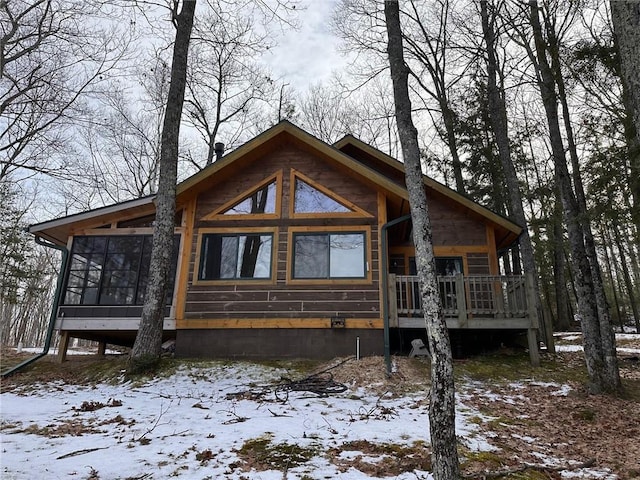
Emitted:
pixel 568 337
pixel 562 390
pixel 627 336
pixel 628 350
pixel 159 426
pixel 70 351
pixel 603 474
pixel 593 473
pixel 525 438
pixel 568 348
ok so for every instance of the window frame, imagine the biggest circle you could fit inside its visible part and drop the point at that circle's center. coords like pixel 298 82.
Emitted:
pixel 345 230
pixel 355 211
pixel 219 213
pixel 236 232
pixel 104 252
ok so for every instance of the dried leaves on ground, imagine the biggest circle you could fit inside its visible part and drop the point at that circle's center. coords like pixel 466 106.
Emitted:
pixel 539 420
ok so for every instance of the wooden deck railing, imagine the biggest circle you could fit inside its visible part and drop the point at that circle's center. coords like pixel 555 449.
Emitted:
pixel 466 297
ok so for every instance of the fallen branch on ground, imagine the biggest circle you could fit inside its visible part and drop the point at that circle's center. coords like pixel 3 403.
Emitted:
pixel 80 452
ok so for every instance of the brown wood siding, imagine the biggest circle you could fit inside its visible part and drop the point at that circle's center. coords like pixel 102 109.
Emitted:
pixel 286 158
pixel 478 264
pixel 453 226
pixel 354 299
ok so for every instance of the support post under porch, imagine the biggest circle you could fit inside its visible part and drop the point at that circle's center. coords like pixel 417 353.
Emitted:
pixel 63 346
pixel 532 340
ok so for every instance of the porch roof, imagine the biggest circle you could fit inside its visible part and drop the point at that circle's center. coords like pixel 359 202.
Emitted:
pixel 58 230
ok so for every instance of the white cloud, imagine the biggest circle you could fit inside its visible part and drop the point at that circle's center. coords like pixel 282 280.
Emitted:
pixel 310 54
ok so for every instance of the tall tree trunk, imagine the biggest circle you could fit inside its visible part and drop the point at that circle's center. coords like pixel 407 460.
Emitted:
pixel 604 314
pixel 147 347
pixel 442 401
pixel 627 279
pixel 608 261
pixel 559 264
pixel 625 15
pixel 595 356
pixel 448 116
pixel 498 116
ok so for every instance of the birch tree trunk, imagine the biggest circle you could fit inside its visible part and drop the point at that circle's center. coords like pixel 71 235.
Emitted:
pixel 442 401
pixel 595 356
pixel 147 347
pixel 625 15
pixel 498 116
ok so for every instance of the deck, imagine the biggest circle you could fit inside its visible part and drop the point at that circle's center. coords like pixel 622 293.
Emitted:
pixel 470 302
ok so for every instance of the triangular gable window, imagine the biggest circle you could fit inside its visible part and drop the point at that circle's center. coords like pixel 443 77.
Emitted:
pixel 261 200
pixel 309 199
pixel 312 199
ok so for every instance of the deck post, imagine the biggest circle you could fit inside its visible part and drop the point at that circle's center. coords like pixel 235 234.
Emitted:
pixel 102 348
pixel 461 301
pixel 532 340
pixel 393 301
pixel 63 346
pixel 499 299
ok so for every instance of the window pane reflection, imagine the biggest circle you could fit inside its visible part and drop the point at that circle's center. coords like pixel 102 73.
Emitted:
pixel 235 256
pixel 311 200
pixel 111 270
pixel 329 255
pixel 261 201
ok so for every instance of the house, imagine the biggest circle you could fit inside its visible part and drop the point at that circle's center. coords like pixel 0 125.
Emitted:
pixel 289 247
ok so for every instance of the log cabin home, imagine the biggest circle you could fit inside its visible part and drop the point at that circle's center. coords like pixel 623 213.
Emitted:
pixel 289 247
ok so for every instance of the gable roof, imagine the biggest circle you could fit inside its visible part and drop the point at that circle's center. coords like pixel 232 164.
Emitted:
pixel 284 132
pixel 269 140
pixel 509 231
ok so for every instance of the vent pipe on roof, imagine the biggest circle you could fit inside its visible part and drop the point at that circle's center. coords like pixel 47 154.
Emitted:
pixel 218 147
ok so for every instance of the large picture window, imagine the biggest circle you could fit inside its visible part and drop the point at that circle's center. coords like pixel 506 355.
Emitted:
pixel 228 256
pixel 329 255
pixel 112 270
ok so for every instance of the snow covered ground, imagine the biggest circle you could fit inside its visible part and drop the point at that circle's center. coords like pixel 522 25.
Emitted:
pixel 195 424
pixel 162 427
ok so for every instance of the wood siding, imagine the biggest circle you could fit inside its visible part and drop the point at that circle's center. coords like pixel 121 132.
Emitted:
pixel 355 299
pixel 478 264
pixel 453 226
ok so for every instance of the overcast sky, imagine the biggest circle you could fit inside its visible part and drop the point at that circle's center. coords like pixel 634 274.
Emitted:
pixel 310 54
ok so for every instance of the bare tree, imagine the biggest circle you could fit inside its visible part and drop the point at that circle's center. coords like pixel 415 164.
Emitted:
pixel 498 117
pixel 442 400
pixel 428 43
pixel 147 347
pixel 598 339
pixel 225 81
pixel 626 21
pixel 53 54
pixel 324 112
pixel 121 147
pixel 27 273
pixel 551 13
